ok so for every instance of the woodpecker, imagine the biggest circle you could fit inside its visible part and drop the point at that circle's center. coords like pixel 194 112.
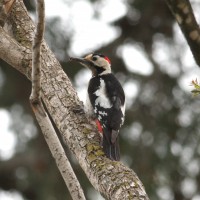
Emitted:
pixel 105 101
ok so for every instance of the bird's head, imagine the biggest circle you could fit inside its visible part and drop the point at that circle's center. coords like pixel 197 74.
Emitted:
pixel 97 63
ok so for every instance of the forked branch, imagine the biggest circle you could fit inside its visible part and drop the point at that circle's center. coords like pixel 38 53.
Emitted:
pixel 41 115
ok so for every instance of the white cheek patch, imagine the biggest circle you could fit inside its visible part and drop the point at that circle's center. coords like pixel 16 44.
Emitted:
pixel 101 61
pixel 102 99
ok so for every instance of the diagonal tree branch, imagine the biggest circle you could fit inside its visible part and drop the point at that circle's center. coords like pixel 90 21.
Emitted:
pixel 112 179
pixel 50 135
pixel 183 13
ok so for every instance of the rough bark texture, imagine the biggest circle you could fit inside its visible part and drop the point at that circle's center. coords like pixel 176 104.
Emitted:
pixel 58 152
pixel 5 6
pixel 36 52
pixel 183 13
pixel 42 117
pixel 112 179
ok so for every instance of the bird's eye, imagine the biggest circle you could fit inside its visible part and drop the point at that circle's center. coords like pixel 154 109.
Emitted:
pixel 94 58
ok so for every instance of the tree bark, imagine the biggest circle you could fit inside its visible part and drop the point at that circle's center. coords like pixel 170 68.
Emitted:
pixel 183 13
pixel 42 117
pixel 112 179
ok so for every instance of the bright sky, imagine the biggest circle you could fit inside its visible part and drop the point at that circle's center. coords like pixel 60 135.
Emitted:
pixel 91 33
pixel 7 137
pixel 4 195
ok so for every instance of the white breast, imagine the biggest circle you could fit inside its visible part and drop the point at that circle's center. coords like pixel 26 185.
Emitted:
pixel 102 98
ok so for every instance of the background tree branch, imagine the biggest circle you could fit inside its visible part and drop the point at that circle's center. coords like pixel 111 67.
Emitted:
pixel 112 179
pixel 183 13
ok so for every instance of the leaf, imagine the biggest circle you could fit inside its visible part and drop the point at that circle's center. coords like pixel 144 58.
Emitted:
pixel 196 85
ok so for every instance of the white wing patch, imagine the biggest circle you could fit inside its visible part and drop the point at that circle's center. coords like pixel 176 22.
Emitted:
pixel 123 112
pixel 123 108
pixel 102 99
pixel 103 113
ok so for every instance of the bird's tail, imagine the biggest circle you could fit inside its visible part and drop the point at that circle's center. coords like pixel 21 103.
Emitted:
pixel 110 146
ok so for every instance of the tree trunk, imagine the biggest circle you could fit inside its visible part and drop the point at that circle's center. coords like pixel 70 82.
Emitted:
pixel 112 179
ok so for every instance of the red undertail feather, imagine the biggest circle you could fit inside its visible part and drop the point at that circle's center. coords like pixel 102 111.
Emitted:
pixel 99 127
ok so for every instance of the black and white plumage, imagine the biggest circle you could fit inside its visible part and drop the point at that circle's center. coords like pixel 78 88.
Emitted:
pixel 105 101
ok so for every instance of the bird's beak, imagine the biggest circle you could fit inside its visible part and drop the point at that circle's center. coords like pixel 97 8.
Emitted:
pixel 84 61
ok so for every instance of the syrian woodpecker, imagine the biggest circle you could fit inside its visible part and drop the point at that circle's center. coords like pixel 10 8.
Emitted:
pixel 105 101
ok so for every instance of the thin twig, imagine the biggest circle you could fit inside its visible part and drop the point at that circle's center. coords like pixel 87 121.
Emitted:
pixel 59 155
pixel 36 49
pixel 42 117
